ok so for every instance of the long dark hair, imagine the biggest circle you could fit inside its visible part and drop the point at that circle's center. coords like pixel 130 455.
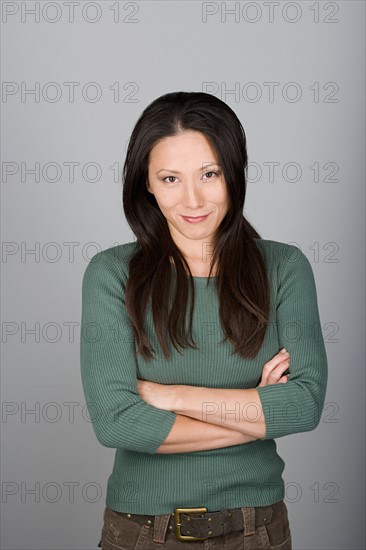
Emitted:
pixel 242 283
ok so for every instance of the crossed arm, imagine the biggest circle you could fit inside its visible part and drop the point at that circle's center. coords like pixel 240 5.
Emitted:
pixel 212 418
pixel 197 418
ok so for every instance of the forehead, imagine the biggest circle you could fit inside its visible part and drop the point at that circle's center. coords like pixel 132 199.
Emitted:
pixel 187 145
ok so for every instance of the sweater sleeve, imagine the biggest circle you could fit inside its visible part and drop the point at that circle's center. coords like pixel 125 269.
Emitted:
pixel 296 406
pixel 120 418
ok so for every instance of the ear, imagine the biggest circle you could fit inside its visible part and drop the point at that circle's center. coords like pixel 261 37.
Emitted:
pixel 148 186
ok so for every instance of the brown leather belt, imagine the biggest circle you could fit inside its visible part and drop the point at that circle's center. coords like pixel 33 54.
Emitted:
pixel 198 524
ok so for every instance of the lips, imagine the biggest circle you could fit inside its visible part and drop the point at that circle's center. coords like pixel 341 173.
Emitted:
pixel 195 219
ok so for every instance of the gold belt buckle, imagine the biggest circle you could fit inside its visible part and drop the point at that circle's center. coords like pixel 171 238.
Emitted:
pixel 178 511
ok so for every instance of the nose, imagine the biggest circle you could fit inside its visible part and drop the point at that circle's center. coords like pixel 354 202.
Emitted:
pixel 192 196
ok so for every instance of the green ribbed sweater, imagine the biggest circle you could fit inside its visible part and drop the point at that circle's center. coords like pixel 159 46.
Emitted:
pixel 146 482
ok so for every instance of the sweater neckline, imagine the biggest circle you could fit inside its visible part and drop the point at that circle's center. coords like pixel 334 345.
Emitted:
pixel 203 281
pixel 205 278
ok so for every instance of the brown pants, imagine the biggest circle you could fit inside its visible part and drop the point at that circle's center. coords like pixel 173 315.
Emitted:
pixel 121 533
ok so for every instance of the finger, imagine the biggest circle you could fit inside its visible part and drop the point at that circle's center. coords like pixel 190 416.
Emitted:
pixel 278 358
pixel 275 375
pixel 268 367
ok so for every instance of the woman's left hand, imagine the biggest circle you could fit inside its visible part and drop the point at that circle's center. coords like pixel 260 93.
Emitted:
pixel 158 395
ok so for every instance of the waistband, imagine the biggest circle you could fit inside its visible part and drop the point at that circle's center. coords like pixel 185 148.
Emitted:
pixel 199 524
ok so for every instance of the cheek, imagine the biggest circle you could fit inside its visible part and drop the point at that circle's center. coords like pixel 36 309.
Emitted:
pixel 219 193
pixel 220 197
pixel 166 203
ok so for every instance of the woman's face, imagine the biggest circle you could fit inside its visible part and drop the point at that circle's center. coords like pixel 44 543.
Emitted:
pixel 186 180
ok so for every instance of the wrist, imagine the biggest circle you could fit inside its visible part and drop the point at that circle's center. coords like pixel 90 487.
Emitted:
pixel 177 400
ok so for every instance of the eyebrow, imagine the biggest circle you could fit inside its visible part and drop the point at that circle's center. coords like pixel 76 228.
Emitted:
pixel 206 165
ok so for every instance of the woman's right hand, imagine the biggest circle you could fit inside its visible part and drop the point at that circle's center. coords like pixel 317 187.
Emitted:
pixel 272 372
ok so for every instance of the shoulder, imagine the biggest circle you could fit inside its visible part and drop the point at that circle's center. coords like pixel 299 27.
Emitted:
pixel 284 258
pixel 275 251
pixel 111 262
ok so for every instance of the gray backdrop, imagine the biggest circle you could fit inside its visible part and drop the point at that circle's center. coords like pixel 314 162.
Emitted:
pixel 76 75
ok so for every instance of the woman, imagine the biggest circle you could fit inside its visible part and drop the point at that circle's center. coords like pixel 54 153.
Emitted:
pixel 183 358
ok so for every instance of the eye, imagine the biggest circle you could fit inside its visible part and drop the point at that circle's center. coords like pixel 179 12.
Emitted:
pixel 209 175
pixel 169 177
